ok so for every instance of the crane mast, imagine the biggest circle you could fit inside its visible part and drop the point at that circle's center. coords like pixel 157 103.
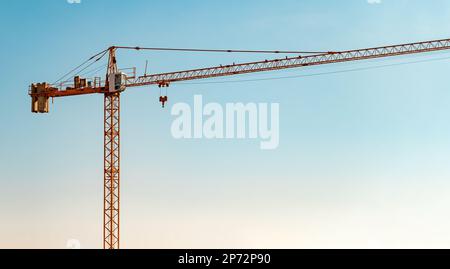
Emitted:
pixel 116 82
pixel 111 186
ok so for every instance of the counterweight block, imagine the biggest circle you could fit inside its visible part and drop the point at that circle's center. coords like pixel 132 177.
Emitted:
pixel 40 97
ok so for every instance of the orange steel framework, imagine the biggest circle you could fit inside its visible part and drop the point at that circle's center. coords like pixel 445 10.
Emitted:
pixel 111 203
pixel 114 85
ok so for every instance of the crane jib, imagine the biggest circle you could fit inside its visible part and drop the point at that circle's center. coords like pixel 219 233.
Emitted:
pixel 41 92
pixel 292 62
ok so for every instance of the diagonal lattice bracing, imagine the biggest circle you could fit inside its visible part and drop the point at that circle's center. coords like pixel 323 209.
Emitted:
pixel 111 171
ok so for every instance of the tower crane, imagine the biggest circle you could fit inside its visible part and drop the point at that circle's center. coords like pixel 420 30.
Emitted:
pixel 116 82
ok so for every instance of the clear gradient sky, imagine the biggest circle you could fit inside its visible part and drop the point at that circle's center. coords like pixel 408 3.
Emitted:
pixel 363 159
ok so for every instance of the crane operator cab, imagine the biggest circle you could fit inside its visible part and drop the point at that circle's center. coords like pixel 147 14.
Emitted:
pixel 117 82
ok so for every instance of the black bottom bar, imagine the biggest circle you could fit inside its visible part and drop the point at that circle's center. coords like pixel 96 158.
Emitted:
pixel 205 258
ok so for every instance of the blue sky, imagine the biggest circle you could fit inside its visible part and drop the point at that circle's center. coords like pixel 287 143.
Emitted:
pixel 363 156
